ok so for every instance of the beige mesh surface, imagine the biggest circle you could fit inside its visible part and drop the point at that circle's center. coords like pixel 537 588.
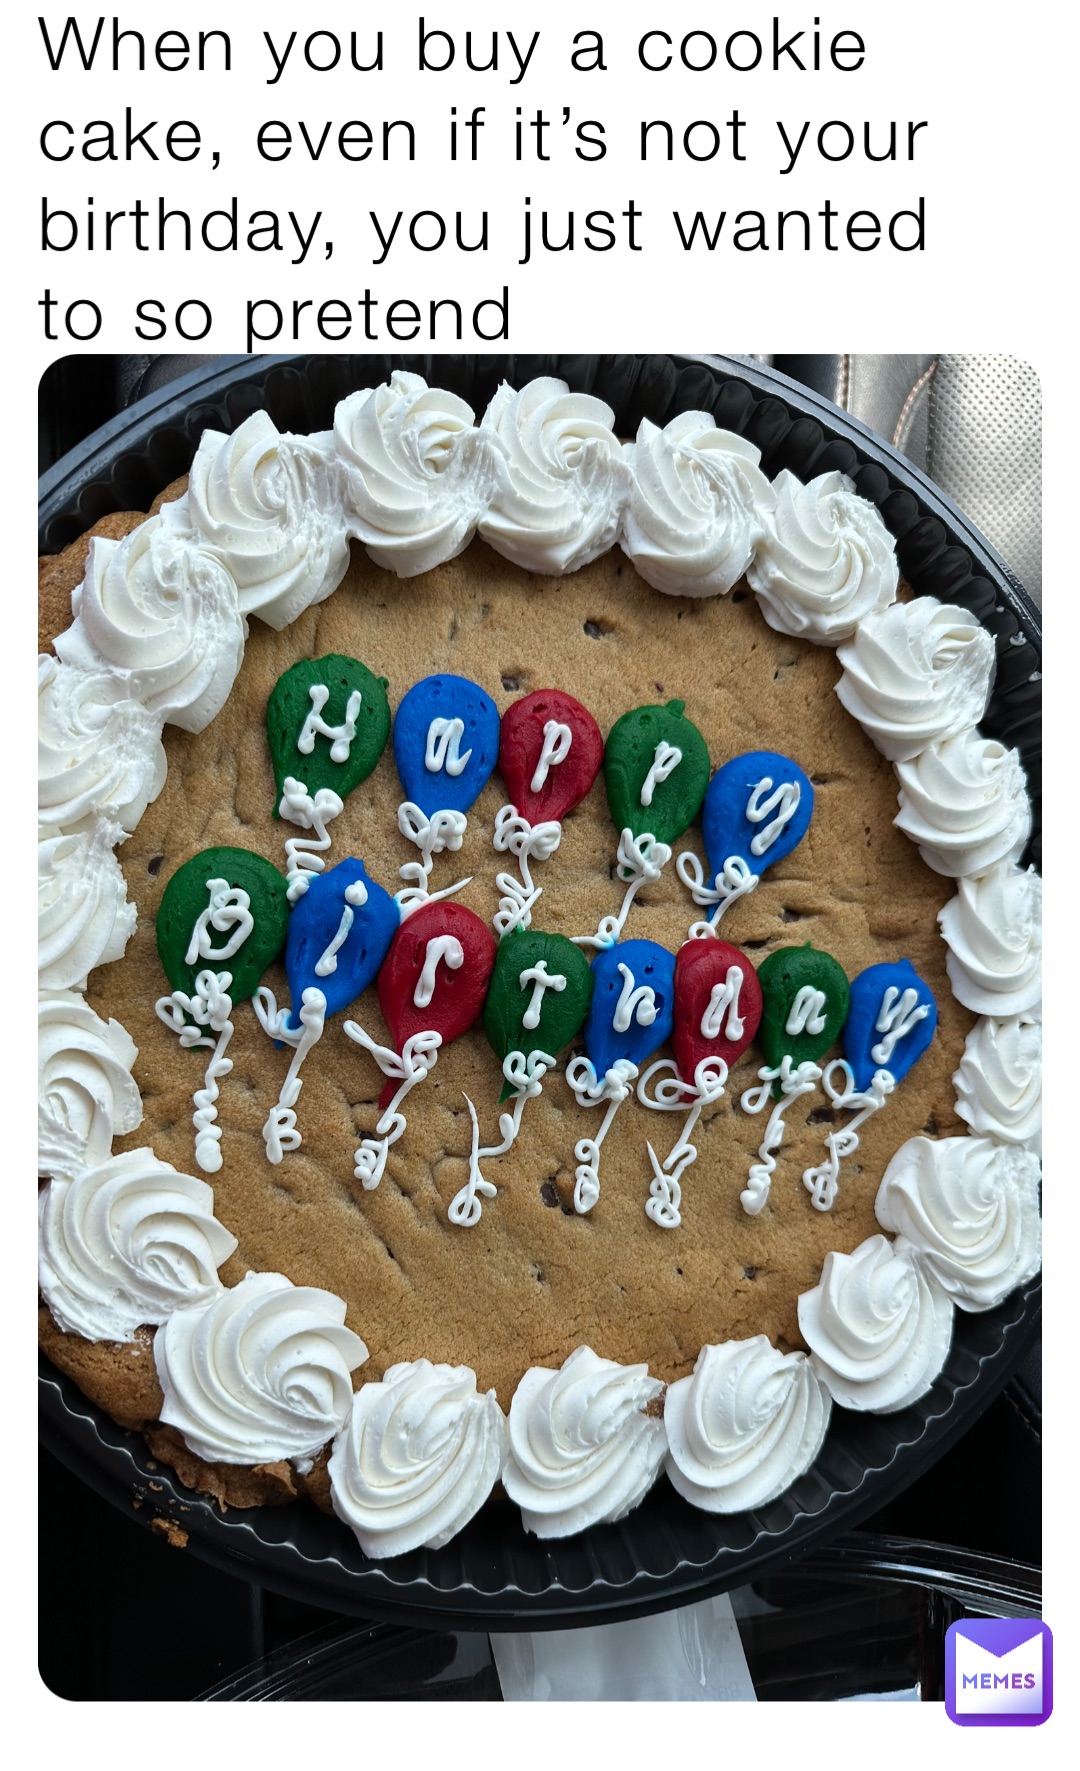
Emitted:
pixel 985 451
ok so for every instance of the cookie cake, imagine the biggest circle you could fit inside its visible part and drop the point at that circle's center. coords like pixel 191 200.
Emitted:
pixel 565 1012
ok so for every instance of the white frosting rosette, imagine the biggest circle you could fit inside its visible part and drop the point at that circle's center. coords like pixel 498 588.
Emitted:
pixel 418 1457
pixel 970 1208
pixel 993 928
pixel 160 613
pixel 825 561
pixel 695 509
pixel 417 473
pixel 127 1243
pixel 915 673
pixel 583 1451
pixel 267 504
pixel 878 1327
pixel 84 918
pixel 86 1092
pixel 99 752
pixel 964 801
pixel 746 1423
pixel 560 495
pixel 258 1373
pixel 999 1082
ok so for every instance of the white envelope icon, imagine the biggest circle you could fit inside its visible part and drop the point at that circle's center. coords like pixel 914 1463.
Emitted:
pixel 999 1684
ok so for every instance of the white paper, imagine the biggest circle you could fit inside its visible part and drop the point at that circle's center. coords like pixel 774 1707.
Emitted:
pixel 692 1655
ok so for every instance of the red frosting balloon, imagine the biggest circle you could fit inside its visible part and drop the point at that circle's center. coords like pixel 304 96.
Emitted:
pixel 527 727
pixel 699 967
pixel 444 954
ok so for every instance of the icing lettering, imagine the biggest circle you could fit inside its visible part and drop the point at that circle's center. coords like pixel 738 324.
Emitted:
pixel 724 999
pixel 557 741
pixel 806 1013
pixel 355 897
pixel 541 979
pixel 441 751
pixel 342 735
pixel 784 801
pixel 229 908
pixel 666 759
pixel 633 1005
pixel 895 1019
pixel 445 947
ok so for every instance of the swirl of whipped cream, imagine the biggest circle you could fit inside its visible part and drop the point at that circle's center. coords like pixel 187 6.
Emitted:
pixel 583 1451
pixel 970 1208
pixel 695 511
pixel 258 1373
pixel 99 753
pixel 268 505
pixel 417 473
pixel 878 1327
pixel 564 483
pixel 86 1092
pixel 993 928
pixel 915 673
pixel 84 918
pixel 746 1423
pixel 964 801
pixel 999 1082
pixel 159 612
pixel 126 1243
pixel 418 1457
pixel 825 561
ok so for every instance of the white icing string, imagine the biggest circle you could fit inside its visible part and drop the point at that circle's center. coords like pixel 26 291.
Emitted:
pixel 640 861
pixel 280 1132
pixel 794 1082
pixel 211 1006
pixel 443 830
pixel 529 842
pixel 525 1074
pixel 822 1182
pixel 418 1056
pixel 734 880
pixel 673 1095
pixel 304 854
pixel 591 1091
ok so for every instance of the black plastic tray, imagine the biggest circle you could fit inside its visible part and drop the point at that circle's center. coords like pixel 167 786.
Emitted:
pixel 665 1553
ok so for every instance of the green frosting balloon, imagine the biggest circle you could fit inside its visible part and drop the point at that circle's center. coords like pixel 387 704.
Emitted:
pixel 808 988
pixel 639 759
pixel 298 710
pixel 513 994
pixel 245 909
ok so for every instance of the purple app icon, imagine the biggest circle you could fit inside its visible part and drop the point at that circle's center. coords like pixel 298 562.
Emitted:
pixel 999 1672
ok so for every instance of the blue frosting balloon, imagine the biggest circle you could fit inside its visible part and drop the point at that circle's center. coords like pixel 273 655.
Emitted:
pixel 883 1031
pixel 651 967
pixel 456 724
pixel 764 783
pixel 318 923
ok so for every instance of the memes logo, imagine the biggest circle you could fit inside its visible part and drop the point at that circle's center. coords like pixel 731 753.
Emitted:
pixel 999 1673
